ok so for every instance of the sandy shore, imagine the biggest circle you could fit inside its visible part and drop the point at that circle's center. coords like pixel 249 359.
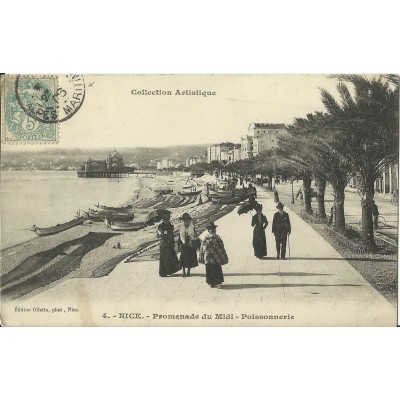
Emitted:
pixel 92 249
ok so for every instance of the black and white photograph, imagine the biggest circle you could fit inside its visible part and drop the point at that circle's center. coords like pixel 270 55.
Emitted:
pixel 199 200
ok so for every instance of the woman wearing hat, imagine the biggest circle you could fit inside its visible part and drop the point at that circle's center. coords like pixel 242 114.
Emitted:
pixel 187 244
pixel 281 228
pixel 213 256
pixel 169 263
pixel 260 222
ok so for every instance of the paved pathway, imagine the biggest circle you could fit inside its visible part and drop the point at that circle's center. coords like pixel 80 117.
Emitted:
pixel 352 209
pixel 315 287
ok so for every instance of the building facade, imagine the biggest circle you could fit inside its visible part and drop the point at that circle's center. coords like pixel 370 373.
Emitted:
pixel 246 145
pixel 386 184
pixel 193 160
pixel 266 136
pixel 227 156
pixel 261 137
pixel 389 182
pixel 223 152
pixel 164 163
pixel 237 152
pixel 213 153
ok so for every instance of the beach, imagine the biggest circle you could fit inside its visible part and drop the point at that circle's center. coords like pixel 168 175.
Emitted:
pixel 93 249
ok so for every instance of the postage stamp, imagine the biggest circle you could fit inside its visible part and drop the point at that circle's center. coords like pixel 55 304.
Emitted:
pixel 34 105
pixel 17 126
pixel 49 103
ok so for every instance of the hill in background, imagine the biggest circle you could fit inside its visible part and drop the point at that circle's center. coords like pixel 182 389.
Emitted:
pixel 72 159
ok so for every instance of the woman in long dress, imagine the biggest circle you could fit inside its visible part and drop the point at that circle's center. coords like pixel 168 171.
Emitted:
pixel 213 255
pixel 169 263
pixel 260 222
pixel 187 244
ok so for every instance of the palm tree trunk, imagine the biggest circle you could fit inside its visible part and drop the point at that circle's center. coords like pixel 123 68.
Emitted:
pixel 367 227
pixel 307 193
pixel 339 218
pixel 321 187
pixel 270 176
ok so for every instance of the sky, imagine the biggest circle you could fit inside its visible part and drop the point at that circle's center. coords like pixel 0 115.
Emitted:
pixel 111 116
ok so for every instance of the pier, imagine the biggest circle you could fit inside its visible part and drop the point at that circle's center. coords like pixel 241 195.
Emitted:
pixel 115 174
pixel 108 174
pixel 145 172
pixel 111 167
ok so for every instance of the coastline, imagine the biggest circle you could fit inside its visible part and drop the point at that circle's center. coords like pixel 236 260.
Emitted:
pixel 89 250
pixel 142 192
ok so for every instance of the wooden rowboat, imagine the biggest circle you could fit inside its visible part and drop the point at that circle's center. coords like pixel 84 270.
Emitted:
pixel 114 209
pixel 58 228
pixel 95 216
pixel 194 193
pixel 216 199
pixel 228 193
pixel 127 226
pixel 189 189
pixel 98 216
pixel 121 217
pixel 226 200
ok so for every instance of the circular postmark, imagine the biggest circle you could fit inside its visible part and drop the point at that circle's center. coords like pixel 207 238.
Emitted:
pixel 50 98
pixel 19 124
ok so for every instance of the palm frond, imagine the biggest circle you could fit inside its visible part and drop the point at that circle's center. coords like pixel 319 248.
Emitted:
pixel 345 95
pixel 392 78
pixel 352 78
pixel 329 102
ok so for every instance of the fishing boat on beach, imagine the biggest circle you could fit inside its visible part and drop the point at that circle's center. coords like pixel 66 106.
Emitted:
pixel 120 217
pixel 245 193
pixel 57 228
pixel 226 200
pixel 164 191
pixel 114 209
pixel 127 226
pixel 94 215
pixel 100 215
pixel 189 190
pixel 231 196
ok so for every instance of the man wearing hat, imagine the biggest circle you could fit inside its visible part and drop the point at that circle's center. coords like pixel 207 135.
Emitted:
pixel 281 229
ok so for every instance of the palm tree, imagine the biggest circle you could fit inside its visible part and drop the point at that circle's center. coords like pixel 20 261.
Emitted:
pixel 367 125
pixel 320 184
pixel 295 151
pixel 269 165
pixel 324 155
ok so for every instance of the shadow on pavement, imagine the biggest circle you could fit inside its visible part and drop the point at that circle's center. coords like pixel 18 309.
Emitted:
pixel 272 286
pixel 275 274
pixel 336 259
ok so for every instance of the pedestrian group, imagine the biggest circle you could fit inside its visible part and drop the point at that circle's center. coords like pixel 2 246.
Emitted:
pixel 211 249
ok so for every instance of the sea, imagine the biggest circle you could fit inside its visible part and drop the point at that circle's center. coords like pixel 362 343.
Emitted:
pixel 46 198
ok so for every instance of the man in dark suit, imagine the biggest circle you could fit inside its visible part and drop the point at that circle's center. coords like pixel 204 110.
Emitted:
pixel 281 229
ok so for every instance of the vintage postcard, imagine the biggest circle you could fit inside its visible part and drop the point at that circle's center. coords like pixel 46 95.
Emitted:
pixel 199 200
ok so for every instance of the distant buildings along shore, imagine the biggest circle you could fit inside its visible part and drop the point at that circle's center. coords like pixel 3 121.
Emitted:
pixel 259 138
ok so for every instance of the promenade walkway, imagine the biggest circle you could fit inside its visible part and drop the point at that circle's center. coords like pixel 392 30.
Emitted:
pixel 314 287
pixel 352 209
